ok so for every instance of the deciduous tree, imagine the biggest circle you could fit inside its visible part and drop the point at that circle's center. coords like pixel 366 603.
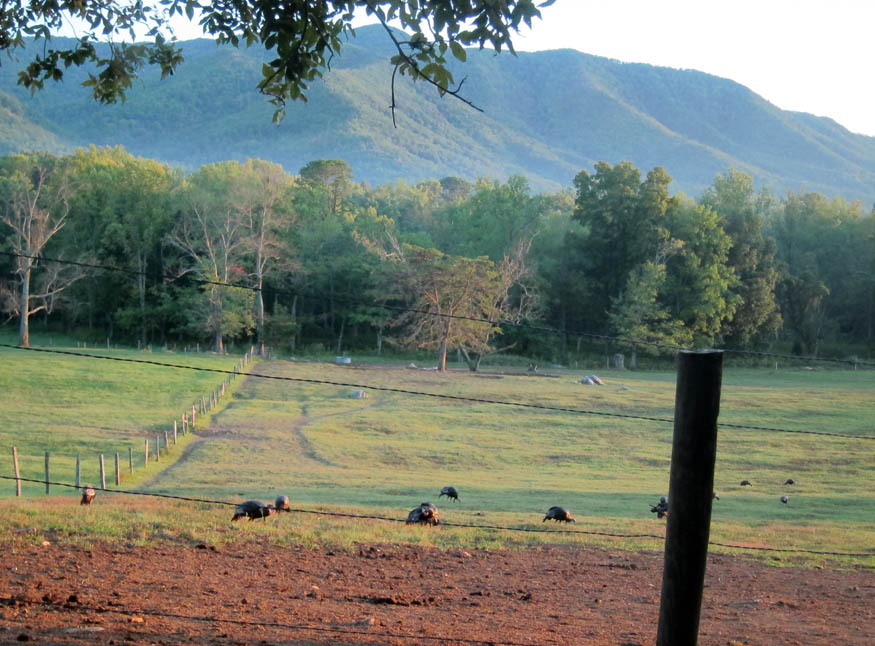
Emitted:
pixel 751 256
pixel 211 233
pixel 35 193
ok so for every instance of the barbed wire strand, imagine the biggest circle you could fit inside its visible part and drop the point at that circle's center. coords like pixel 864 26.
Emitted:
pixel 264 624
pixel 478 400
pixel 533 530
pixel 397 308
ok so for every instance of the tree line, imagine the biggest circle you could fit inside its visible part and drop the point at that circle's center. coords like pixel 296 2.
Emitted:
pixel 247 252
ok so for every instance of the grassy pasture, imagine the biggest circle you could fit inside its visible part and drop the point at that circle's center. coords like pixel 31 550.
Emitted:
pixel 69 405
pixel 386 453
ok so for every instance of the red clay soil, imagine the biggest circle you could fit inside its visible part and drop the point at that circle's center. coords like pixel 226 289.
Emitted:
pixel 406 595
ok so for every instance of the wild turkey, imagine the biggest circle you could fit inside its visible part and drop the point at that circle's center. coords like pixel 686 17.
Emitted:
pixel 282 503
pixel 88 494
pixel 785 499
pixel 789 481
pixel 559 514
pixel 745 483
pixel 660 508
pixel 449 492
pixel 426 514
pixel 253 509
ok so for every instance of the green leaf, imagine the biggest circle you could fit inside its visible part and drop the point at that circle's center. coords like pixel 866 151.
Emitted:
pixel 458 51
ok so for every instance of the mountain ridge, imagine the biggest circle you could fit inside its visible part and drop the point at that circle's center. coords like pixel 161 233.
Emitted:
pixel 547 115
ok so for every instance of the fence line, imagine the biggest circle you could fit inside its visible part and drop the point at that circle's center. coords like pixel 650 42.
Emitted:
pixel 560 409
pixel 530 530
pixel 206 404
pixel 397 308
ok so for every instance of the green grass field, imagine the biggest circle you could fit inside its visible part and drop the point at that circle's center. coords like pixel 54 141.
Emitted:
pixel 386 453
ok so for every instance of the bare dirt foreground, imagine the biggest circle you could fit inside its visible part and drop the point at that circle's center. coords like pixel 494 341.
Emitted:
pixel 407 595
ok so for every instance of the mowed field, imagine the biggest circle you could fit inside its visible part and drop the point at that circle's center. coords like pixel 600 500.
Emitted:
pixel 385 453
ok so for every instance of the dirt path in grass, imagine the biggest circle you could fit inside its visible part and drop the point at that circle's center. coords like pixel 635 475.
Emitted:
pixel 217 431
pixel 262 595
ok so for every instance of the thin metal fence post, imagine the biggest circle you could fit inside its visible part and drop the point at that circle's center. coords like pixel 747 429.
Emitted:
pixel 17 472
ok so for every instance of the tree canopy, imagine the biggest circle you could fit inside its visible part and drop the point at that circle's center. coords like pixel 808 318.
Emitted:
pixel 301 35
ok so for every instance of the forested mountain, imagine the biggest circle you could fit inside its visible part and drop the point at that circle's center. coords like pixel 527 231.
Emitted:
pixel 546 116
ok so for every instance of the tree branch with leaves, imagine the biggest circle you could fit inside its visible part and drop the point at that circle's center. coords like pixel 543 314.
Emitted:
pixel 302 36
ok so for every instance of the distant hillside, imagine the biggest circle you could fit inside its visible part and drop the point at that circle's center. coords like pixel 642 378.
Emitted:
pixel 547 115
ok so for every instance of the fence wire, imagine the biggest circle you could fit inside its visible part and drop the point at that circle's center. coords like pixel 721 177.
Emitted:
pixel 504 528
pixel 560 409
pixel 397 308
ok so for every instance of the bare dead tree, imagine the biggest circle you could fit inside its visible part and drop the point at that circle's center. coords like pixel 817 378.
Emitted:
pixel 35 209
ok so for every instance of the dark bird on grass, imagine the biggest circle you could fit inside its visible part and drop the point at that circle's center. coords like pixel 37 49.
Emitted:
pixel 785 499
pixel 745 483
pixel 560 515
pixel 660 508
pixel 88 494
pixel 282 503
pixel 253 509
pixel 426 514
pixel 449 492
pixel 789 481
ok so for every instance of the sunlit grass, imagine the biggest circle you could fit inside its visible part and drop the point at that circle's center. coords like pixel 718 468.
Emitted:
pixel 386 453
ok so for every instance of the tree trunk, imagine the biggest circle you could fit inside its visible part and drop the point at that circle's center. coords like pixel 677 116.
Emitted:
pixel 259 319
pixel 218 343
pixel 294 316
pixel 340 336
pixel 141 284
pixel 379 341
pixel 24 308
pixel 442 356
pixel 473 362
pixel 259 296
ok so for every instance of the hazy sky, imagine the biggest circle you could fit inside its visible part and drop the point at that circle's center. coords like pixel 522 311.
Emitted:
pixel 813 56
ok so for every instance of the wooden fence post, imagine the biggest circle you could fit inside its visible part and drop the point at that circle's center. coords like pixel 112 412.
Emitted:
pixel 131 459
pixel 193 416
pixel 175 437
pixel 17 473
pixel 146 442
pixel 47 473
pixel 102 473
pixel 118 471
pixel 157 448
pixel 166 443
pixel 691 485
pixel 78 472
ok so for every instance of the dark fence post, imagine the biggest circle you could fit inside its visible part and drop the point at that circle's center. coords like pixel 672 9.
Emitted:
pixel 17 472
pixel 694 449
pixel 78 471
pixel 48 479
pixel 118 470
pixel 102 473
